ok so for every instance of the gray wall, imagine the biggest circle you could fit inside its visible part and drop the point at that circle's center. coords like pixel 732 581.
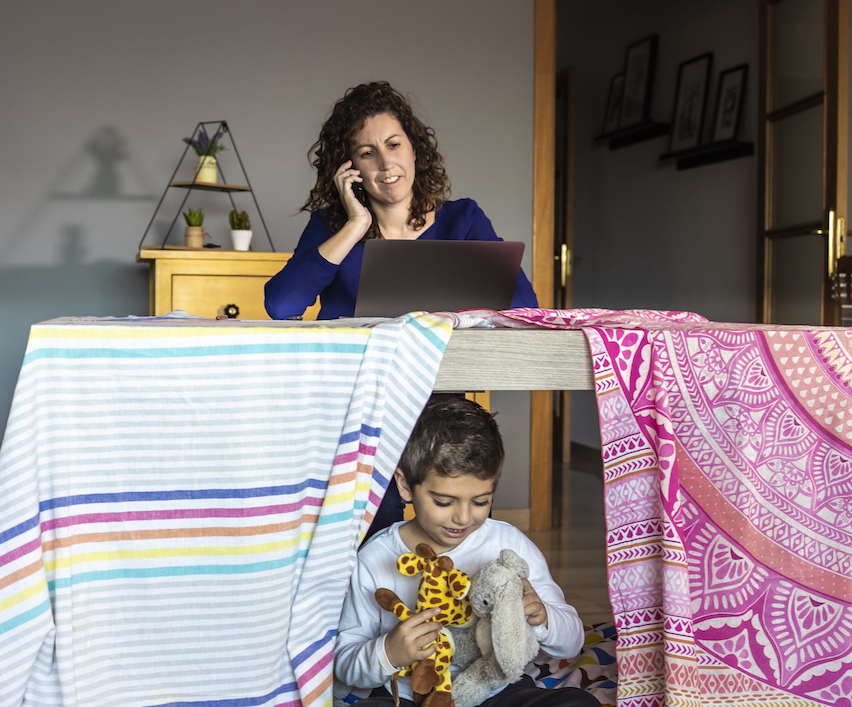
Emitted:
pixel 646 235
pixel 97 95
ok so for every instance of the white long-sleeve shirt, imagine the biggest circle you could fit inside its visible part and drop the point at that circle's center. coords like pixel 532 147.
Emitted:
pixel 360 658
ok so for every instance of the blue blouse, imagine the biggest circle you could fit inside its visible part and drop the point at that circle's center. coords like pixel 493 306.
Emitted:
pixel 307 274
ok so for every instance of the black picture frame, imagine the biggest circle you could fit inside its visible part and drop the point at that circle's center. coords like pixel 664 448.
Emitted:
pixel 693 83
pixel 613 104
pixel 729 103
pixel 640 63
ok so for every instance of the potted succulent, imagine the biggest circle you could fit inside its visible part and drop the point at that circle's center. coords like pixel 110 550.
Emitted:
pixel 240 229
pixel 206 170
pixel 194 233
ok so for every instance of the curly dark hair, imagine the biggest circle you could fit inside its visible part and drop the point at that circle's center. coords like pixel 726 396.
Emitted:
pixel 431 184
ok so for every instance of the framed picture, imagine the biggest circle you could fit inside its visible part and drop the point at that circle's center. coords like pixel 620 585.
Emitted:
pixel 613 104
pixel 729 103
pixel 693 82
pixel 639 66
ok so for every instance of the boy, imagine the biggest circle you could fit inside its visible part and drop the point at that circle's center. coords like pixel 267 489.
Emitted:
pixel 448 471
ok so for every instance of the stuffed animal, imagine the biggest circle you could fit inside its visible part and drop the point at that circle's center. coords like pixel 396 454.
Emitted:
pixel 441 585
pixel 495 651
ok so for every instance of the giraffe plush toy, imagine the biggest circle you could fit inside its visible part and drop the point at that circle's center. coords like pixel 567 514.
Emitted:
pixel 443 586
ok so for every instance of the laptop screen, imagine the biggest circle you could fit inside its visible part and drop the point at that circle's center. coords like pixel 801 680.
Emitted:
pixel 436 276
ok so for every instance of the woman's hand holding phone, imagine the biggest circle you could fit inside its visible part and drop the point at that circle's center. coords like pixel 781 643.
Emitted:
pixel 354 197
pixel 336 248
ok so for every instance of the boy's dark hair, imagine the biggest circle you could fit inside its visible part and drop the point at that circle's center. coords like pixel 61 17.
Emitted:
pixel 453 436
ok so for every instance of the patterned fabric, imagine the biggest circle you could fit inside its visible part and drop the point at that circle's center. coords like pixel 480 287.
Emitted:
pixel 728 489
pixel 593 670
pixel 181 502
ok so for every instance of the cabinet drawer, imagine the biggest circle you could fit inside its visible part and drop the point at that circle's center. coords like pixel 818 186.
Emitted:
pixel 207 295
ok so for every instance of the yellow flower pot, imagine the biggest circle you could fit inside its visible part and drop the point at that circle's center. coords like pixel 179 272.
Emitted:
pixel 207 170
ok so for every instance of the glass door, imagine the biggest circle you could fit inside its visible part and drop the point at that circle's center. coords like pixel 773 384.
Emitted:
pixel 803 164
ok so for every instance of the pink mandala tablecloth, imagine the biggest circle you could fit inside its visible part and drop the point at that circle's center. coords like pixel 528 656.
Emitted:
pixel 728 483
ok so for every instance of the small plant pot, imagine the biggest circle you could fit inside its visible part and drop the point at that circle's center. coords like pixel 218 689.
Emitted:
pixel 193 236
pixel 207 170
pixel 241 239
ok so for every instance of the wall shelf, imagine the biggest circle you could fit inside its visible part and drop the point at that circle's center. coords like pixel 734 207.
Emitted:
pixel 210 186
pixel 634 134
pixel 223 187
pixel 709 154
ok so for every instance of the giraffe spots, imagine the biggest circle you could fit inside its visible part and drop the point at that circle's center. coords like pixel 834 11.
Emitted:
pixel 443 587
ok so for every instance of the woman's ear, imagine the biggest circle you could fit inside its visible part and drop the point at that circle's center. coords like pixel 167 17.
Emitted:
pixel 402 485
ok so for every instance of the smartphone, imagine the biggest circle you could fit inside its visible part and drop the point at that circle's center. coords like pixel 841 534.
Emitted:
pixel 360 193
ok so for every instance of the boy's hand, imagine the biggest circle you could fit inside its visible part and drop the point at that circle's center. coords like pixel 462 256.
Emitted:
pixel 408 641
pixel 533 606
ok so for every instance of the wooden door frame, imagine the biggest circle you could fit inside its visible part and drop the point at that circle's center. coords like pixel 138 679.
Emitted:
pixel 544 160
pixel 834 101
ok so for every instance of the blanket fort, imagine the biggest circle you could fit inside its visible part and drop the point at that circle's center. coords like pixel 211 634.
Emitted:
pixel 728 496
pixel 181 502
pixel 728 477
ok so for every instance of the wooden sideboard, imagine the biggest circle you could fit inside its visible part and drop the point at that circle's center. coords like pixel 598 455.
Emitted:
pixel 203 282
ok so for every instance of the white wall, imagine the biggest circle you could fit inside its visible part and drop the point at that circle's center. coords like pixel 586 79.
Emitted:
pixel 147 72
pixel 647 235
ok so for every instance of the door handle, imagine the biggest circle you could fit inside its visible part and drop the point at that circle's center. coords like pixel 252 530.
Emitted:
pixel 564 264
pixel 836 240
pixel 832 258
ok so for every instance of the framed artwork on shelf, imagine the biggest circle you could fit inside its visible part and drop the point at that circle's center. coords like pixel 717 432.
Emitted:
pixel 693 82
pixel 729 103
pixel 639 65
pixel 613 104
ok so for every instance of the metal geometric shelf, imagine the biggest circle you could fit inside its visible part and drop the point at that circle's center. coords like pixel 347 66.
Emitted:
pixel 221 126
pixel 210 186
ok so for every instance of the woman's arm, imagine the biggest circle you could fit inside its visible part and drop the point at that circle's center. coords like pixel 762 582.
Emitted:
pixel 306 274
pixel 315 261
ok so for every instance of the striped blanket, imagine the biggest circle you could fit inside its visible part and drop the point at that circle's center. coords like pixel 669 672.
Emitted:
pixel 181 501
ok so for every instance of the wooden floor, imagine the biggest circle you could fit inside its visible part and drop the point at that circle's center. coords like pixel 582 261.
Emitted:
pixel 576 549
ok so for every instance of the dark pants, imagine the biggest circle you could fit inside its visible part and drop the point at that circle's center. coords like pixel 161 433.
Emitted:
pixel 523 693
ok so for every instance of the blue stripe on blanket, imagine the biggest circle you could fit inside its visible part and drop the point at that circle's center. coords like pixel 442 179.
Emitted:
pixel 193 351
pixel 179 495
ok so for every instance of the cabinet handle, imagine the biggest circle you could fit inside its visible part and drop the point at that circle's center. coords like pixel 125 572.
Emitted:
pixel 232 311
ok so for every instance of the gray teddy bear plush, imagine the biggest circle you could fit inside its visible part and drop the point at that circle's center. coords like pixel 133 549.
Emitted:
pixel 495 650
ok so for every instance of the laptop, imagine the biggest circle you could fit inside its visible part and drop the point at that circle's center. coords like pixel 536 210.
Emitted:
pixel 436 276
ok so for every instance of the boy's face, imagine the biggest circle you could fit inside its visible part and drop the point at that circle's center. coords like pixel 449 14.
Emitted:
pixel 448 508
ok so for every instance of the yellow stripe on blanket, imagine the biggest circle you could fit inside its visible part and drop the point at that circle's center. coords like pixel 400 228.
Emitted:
pixel 158 553
pixel 23 595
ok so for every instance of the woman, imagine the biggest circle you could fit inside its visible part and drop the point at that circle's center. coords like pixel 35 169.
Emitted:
pixel 372 141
